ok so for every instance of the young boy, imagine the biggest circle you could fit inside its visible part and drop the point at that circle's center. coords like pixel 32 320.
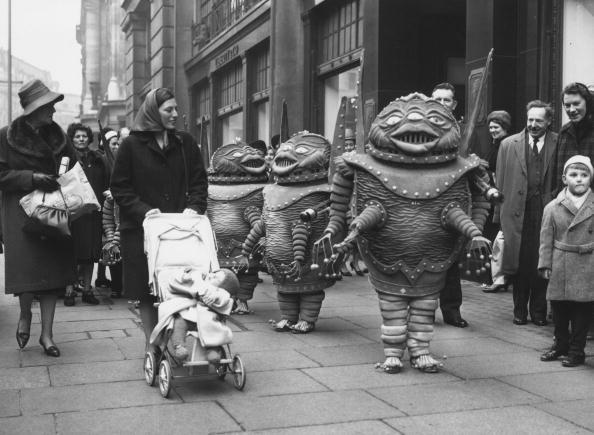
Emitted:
pixel 202 304
pixel 567 261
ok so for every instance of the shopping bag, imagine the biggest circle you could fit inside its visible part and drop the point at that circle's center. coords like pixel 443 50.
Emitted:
pixel 49 222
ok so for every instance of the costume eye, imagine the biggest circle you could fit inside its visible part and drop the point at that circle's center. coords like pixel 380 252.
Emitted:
pixel 237 154
pixel 394 119
pixel 435 119
pixel 301 150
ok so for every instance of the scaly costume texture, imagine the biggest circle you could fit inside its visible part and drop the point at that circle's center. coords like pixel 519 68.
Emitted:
pixel 415 203
pixel 236 177
pixel 300 168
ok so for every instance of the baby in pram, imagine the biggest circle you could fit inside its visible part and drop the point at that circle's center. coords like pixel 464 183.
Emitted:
pixel 197 302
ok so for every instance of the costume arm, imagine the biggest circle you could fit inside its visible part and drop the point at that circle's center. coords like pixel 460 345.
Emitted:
pixel 108 219
pixel 454 218
pixel 547 239
pixel 256 233
pixel 340 197
pixel 252 215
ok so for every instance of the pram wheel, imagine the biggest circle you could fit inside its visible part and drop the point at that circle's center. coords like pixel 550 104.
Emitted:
pixel 238 373
pixel 150 368
pixel 165 378
pixel 221 369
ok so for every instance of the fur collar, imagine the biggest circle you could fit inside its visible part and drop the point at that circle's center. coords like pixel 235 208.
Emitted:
pixel 47 140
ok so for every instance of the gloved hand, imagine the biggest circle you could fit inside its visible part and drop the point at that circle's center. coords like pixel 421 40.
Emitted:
pixel 45 182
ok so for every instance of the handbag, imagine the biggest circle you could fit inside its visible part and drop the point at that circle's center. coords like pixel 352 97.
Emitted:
pixel 49 222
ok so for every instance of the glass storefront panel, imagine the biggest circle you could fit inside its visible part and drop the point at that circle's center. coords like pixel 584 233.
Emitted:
pixel 263 129
pixel 232 128
pixel 336 87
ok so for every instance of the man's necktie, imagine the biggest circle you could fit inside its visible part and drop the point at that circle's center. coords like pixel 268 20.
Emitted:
pixel 535 147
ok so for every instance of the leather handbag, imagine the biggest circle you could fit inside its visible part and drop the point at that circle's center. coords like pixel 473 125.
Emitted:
pixel 48 222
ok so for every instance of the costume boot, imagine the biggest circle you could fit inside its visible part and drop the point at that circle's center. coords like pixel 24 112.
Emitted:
pixel 420 333
pixel 394 311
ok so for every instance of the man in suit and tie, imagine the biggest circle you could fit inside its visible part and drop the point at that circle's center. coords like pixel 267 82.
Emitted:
pixel 526 177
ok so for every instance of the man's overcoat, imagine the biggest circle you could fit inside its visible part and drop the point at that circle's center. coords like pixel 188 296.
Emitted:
pixel 567 247
pixel 512 180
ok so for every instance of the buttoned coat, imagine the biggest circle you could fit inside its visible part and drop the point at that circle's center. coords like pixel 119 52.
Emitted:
pixel 567 248
pixel 512 180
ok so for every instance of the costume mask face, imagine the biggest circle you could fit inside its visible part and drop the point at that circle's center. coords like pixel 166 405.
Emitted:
pixel 304 154
pixel 414 126
pixel 237 160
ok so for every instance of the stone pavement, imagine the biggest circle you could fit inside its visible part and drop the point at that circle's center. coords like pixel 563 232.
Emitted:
pixel 321 383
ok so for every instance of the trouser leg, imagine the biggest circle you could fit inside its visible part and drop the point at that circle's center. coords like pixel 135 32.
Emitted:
pixel 289 306
pixel 450 298
pixel 521 293
pixel 310 306
pixel 394 310
pixel 561 319
pixel 115 271
pixel 420 324
pixel 581 315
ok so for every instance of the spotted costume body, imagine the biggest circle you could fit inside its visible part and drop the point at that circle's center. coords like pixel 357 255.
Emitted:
pixel 237 176
pixel 415 204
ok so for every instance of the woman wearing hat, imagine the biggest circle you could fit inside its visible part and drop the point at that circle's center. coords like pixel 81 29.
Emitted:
pixel 157 170
pixel 31 149
pixel 499 122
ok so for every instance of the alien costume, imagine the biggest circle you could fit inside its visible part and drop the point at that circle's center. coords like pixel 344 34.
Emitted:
pixel 236 177
pixel 415 204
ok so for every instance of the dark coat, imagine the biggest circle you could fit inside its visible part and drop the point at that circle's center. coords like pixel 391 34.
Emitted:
pixel 146 177
pixel 512 180
pixel 573 139
pixel 565 230
pixel 31 264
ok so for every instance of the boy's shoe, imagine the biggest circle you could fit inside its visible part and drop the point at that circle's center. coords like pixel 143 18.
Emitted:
pixel 213 355
pixel 69 300
pixel 102 283
pixel 89 298
pixel 552 355
pixel 573 361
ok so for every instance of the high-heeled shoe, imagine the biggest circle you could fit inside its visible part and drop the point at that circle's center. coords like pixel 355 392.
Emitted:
pixel 22 338
pixel 50 351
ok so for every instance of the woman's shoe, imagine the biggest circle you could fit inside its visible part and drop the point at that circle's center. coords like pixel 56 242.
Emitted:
pixel 50 351
pixel 495 288
pixel 22 338
pixel 89 298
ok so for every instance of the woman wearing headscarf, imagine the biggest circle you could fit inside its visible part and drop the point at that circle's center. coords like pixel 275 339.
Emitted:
pixel 157 170
pixel 499 122
pixel 31 150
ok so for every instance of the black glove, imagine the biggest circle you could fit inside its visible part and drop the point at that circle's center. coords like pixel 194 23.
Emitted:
pixel 45 182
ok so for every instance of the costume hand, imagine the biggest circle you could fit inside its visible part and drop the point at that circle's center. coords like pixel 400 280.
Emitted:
pixel 152 212
pixel 545 273
pixel 108 195
pixel 189 211
pixel 45 182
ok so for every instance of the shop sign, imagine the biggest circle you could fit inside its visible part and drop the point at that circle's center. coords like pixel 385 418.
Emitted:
pixel 226 56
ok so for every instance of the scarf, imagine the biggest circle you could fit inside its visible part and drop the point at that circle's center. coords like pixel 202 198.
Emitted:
pixel 577 201
pixel 148 117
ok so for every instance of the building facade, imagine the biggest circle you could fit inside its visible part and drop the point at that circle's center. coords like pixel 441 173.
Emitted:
pixel 103 95
pixel 232 63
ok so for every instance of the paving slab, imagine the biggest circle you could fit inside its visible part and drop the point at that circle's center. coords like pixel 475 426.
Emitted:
pixel 195 418
pixel 101 312
pixel 10 357
pixel 355 428
pixel 256 413
pixel 576 411
pixel 116 333
pixel 332 338
pixel 131 347
pixel 454 396
pixel 92 325
pixel 495 365
pixel 26 377
pixel 276 360
pixel 29 425
pixel 9 404
pixel 96 372
pixel 263 340
pixel 474 346
pixel 366 376
pixel 74 336
pixel 74 352
pixel 281 382
pixel 512 421
pixel 90 397
pixel 345 355
pixel 565 384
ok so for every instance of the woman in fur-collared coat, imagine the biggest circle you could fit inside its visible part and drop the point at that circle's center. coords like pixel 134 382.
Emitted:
pixel 31 148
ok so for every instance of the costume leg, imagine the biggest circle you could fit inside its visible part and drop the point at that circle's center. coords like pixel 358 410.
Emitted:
pixel 289 308
pixel 310 305
pixel 394 309
pixel 561 318
pixel 420 332
pixel 248 280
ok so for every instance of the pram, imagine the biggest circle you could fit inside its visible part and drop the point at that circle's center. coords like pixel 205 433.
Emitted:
pixel 176 243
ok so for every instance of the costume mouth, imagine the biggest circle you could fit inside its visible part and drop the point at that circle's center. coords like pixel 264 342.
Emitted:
pixel 253 164
pixel 284 164
pixel 415 142
pixel 416 138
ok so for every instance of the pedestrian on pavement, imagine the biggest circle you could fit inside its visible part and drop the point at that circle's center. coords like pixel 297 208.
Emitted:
pixel 157 170
pixel 31 149
pixel 577 135
pixel 566 260
pixel 87 230
pixel 525 175
pixel 499 122
pixel 450 298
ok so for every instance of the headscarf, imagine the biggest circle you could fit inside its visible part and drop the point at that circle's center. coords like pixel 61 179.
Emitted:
pixel 148 117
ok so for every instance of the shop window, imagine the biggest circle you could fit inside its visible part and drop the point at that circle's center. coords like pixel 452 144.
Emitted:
pixel 203 97
pixel 259 120
pixel 263 120
pixel 231 128
pixel 340 30
pixel 230 86
pixel 230 104
pixel 337 86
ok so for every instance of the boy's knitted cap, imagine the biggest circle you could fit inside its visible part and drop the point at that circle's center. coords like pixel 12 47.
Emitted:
pixel 584 160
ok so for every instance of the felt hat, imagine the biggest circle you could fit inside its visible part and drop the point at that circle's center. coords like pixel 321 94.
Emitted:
pixel 584 160
pixel 501 117
pixel 35 94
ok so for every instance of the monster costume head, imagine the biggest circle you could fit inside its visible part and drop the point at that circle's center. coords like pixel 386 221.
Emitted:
pixel 304 157
pixel 414 129
pixel 237 163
